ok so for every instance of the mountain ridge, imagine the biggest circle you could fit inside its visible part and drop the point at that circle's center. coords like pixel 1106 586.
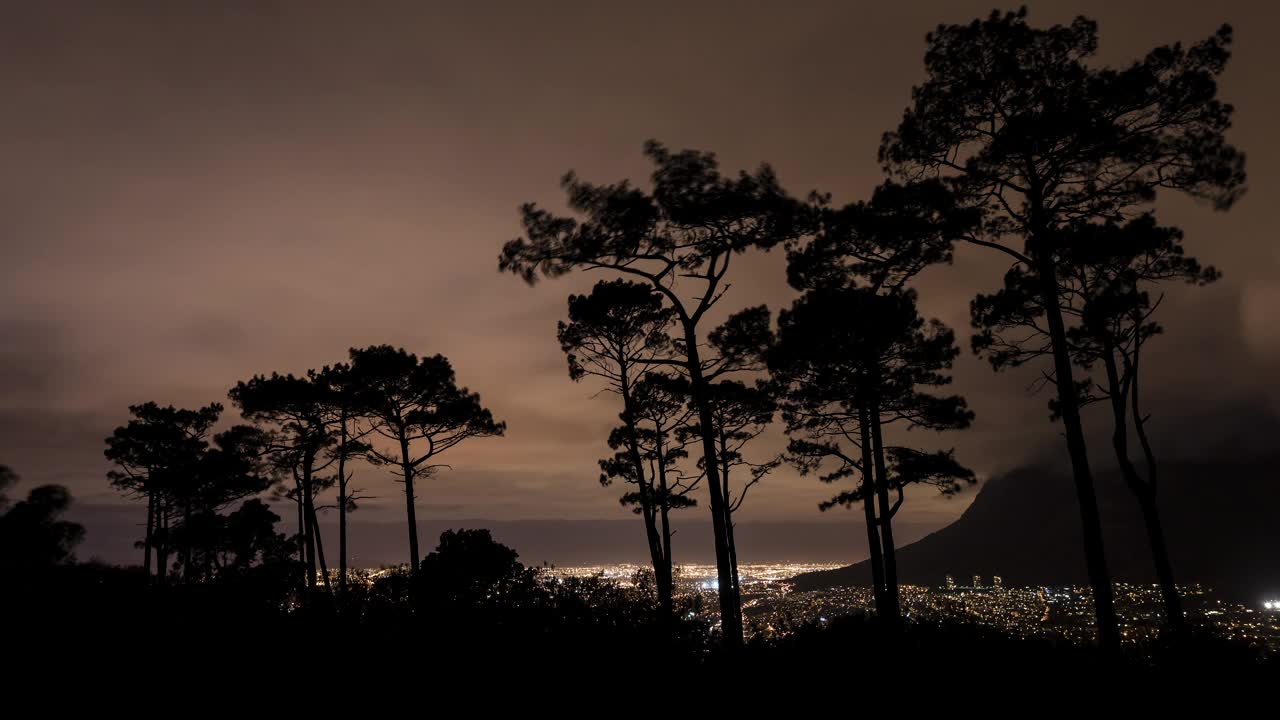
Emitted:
pixel 1024 526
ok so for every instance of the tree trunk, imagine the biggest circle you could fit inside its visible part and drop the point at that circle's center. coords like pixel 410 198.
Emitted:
pixel 1143 490
pixel 733 558
pixel 1091 523
pixel 342 510
pixel 1155 532
pixel 211 547
pixel 302 538
pixel 342 538
pixel 186 542
pixel 730 611
pixel 666 576
pixel 647 510
pixel 661 584
pixel 162 548
pixel 893 606
pixel 149 539
pixel 319 539
pixel 1164 568
pixel 308 517
pixel 728 520
pixel 407 468
pixel 869 514
pixel 209 563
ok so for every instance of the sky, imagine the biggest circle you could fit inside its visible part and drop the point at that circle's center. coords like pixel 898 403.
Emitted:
pixel 192 193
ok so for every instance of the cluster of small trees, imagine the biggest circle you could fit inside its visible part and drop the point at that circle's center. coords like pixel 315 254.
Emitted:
pixel 1013 144
pixel 385 406
pixel 187 474
pixel 33 536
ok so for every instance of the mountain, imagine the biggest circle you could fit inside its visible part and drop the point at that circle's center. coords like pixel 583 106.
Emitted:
pixel 1222 521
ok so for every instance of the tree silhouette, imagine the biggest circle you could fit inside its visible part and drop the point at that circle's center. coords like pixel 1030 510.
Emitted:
pixel 1022 129
pixel 418 405
pixel 231 469
pixel 615 334
pixel 249 537
pixel 155 456
pixel 662 413
pixel 1103 284
pixel 8 478
pixel 32 538
pixel 343 410
pixel 679 238
pixel 883 242
pixel 470 568
pixel 850 361
pixel 865 253
pixel 295 409
pixel 740 414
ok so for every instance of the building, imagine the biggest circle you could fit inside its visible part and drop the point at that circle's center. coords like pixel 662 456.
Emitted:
pixel 977 581
pixel 997 582
pixel 950 583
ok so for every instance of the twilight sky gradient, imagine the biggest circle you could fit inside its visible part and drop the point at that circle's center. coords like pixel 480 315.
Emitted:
pixel 192 193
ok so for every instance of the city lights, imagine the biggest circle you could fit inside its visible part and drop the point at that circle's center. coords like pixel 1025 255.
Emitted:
pixel 772 606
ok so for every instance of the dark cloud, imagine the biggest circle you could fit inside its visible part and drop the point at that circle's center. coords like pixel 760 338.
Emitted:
pixel 31 363
pixel 194 193
pixel 55 446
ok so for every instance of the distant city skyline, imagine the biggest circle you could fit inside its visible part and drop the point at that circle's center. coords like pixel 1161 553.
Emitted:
pixel 1060 612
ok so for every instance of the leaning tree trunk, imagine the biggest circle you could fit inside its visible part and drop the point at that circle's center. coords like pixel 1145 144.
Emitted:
pixel 893 605
pixel 1069 409
pixel 876 556
pixel 319 542
pixel 1144 491
pixel 661 576
pixel 647 510
pixel 1160 556
pixel 1164 568
pixel 730 610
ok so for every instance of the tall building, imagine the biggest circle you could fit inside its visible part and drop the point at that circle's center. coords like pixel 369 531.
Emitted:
pixel 951 583
pixel 997 581
pixel 977 581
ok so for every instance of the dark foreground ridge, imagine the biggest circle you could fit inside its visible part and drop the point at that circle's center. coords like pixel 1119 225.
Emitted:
pixel 1220 520
pixel 475 607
